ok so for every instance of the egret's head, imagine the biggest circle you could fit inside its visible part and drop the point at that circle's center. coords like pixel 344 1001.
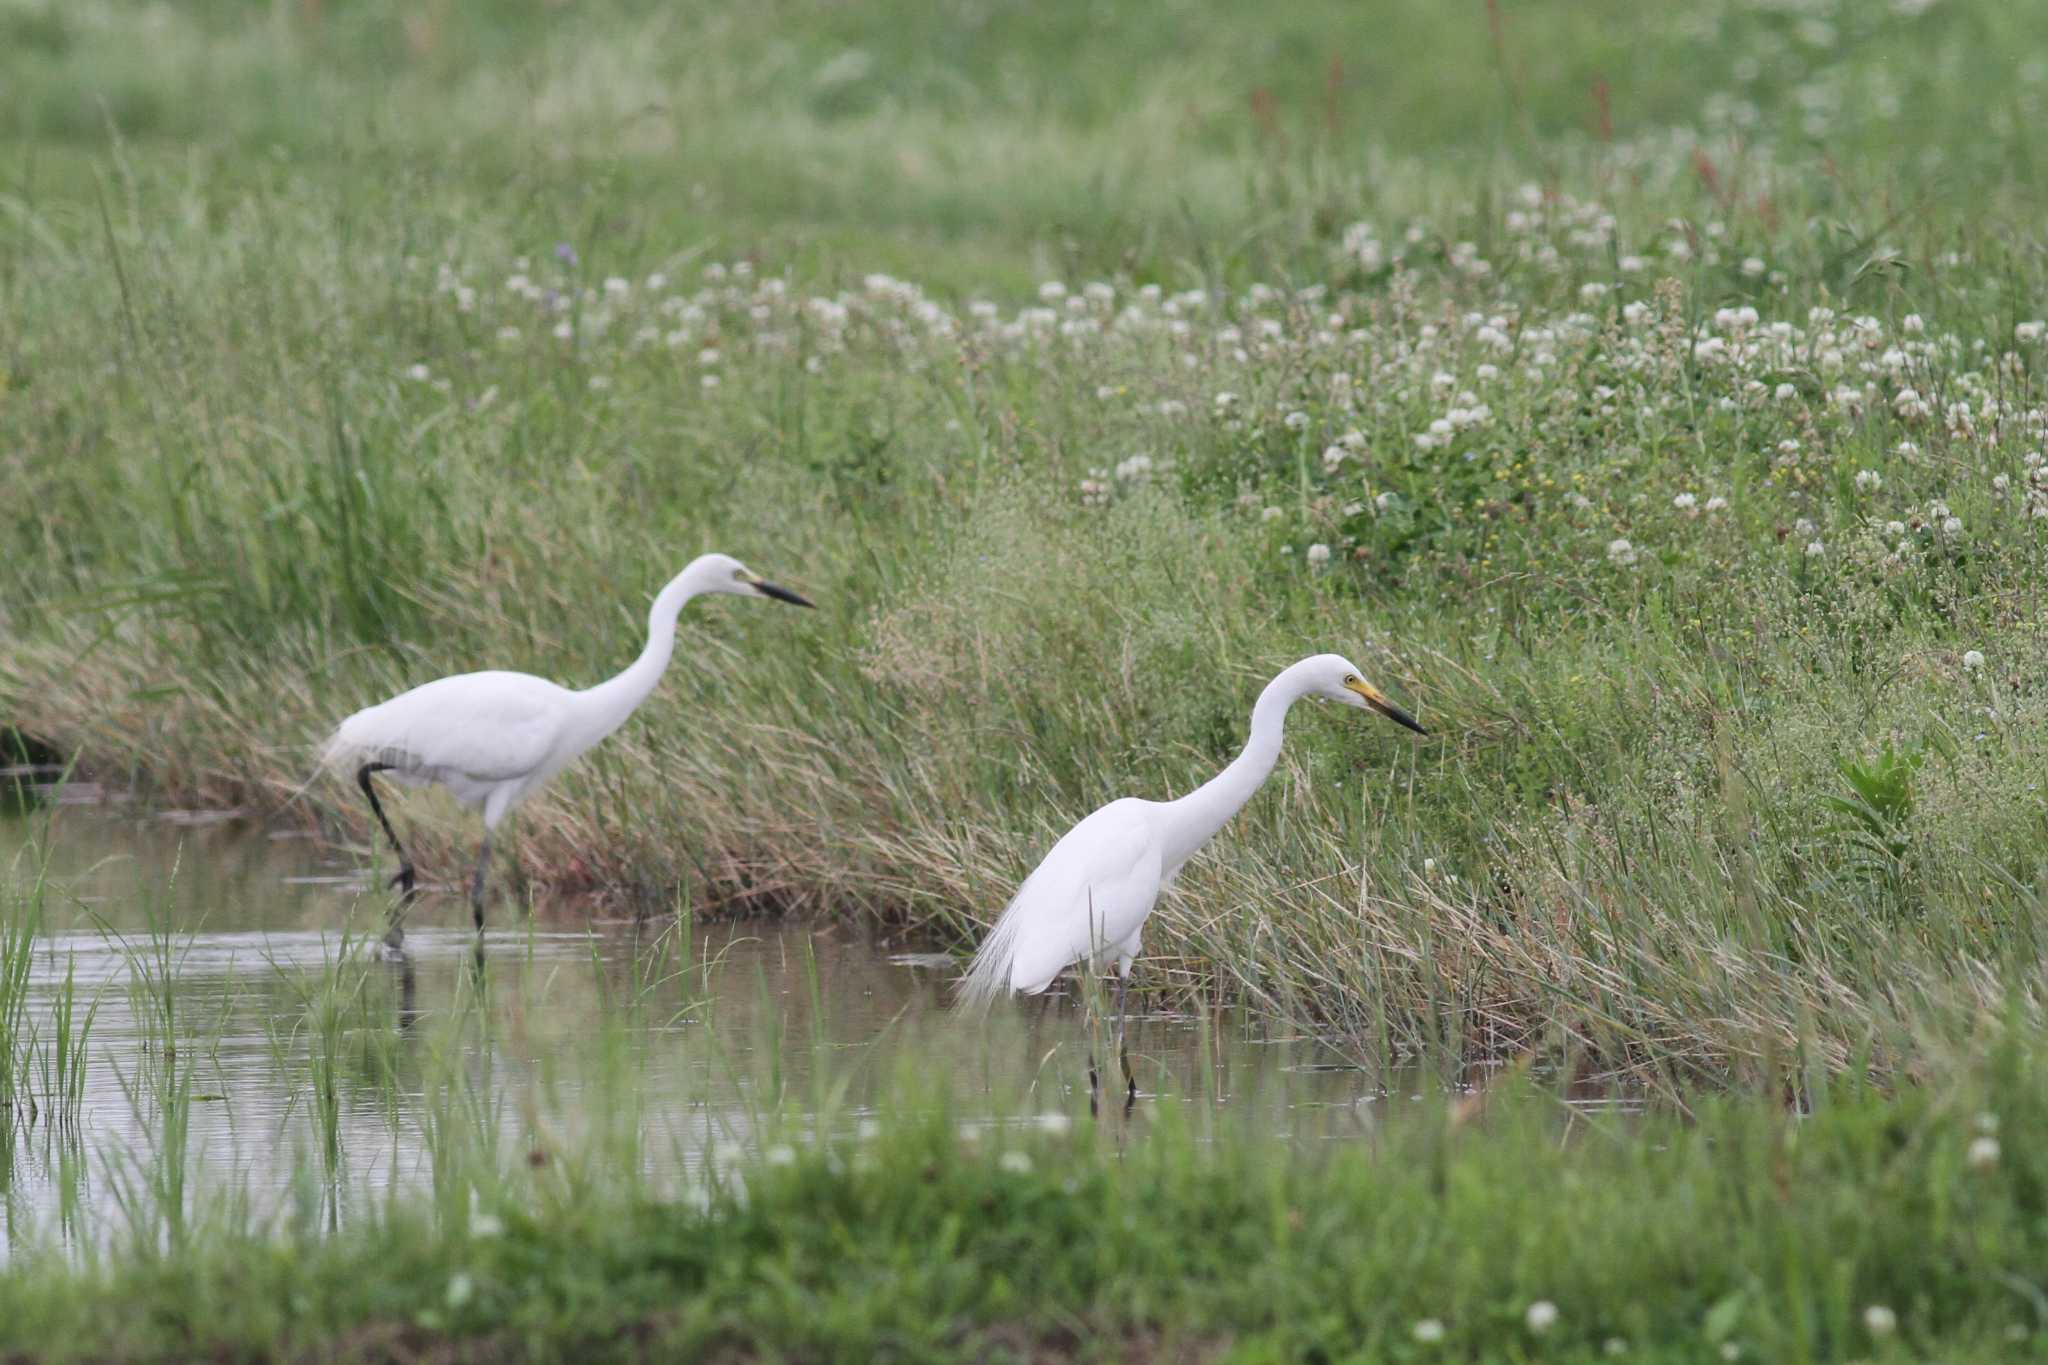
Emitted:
pixel 723 573
pixel 1338 679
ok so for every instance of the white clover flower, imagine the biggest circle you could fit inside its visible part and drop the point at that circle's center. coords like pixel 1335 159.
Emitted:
pixel 565 330
pixel 1973 660
pixel 1912 323
pixel 2030 331
pixel 617 286
pixel 1815 549
pixel 1879 1320
pixel 1984 1153
pixel 1868 481
pixel 419 374
pixel 1052 291
pixel 1428 1331
pixel 1717 503
pixel 1685 502
pixel 1271 514
pixel 1804 526
pixel 1615 1346
pixel 1136 467
pixel 1332 457
pixel 1619 551
pixel 1319 556
pixel 1296 421
pixel 1894 529
pixel 1785 393
pixel 1541 1317
pixel 1015 1163
pixel 2000 483
pixel 1952 526
pixel 1906 450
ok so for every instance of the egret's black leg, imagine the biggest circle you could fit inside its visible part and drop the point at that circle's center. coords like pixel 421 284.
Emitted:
pixel 476 883
pixel 1123 1053
pixel 404 879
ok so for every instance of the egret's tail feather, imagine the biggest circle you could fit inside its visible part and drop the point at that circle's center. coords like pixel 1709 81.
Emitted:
pixel 988 976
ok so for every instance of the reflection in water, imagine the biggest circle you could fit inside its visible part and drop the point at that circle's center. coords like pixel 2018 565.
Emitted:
pixel 248 1025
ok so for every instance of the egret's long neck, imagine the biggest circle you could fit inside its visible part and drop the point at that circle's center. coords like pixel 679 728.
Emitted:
pixel 1205 810
pixel 606 706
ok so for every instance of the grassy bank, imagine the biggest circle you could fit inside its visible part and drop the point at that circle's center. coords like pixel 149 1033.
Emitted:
pixel 1649 401
pixel 1873 1230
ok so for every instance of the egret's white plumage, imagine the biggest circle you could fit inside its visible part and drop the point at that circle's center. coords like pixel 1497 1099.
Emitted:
pixel 1089 899
pixel 493 739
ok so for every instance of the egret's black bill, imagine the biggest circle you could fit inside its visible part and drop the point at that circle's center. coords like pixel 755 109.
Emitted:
pixel 782 594
pixel 1396 715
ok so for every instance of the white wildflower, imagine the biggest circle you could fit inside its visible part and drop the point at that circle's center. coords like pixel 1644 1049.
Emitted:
pixel 1619 551
pixel 1952 526
pixel 1879 1320
pixel 1685 502
pixel 1815 549
pixel 1868 481
pixel 1015 1163
pixel 1717 503
pixel 1984 1153
pixel 1428 1331
pixel 1973 660
pixel 1542 1316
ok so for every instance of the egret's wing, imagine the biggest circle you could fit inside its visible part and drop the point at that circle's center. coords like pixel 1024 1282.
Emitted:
pixel 1090 894
pixel 486 727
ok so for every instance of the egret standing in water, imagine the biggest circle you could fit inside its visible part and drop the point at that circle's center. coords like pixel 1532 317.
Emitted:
pixel 1089 900
pixel 494 738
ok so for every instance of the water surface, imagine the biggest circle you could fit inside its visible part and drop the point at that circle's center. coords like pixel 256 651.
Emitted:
pixel 303 1048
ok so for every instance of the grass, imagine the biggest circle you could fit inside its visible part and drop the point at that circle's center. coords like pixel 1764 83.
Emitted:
pixel 1055 565
pixel 1876 1228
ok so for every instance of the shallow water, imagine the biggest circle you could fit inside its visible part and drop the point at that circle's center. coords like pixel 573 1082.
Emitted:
pixel 304 1047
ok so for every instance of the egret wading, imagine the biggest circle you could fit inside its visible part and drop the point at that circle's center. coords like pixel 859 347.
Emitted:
pixel 493 739
pixel 1089 899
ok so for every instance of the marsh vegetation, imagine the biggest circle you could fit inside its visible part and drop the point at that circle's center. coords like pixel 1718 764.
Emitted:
pixel 1649 398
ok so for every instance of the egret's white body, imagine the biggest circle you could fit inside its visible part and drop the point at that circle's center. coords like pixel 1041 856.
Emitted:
pixel 1089 899
pixel 493 739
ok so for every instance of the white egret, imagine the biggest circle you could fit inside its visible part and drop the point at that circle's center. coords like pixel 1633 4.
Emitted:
pixel 1089 899
pixel 493 739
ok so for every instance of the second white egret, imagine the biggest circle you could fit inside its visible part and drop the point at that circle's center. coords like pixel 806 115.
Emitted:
pixel 1089 899
pixel 494 738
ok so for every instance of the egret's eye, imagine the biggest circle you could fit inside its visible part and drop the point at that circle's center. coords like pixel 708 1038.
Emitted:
pixel 1350 678
pixel 739 575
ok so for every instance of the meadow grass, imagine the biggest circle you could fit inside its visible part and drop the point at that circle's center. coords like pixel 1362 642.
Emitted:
pixel 1872 1228
pixel 1647 399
